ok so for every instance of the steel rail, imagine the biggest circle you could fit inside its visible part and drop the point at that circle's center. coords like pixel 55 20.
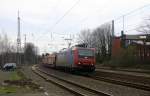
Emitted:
pixel 99 93
pixel 48 80
pixel 121 82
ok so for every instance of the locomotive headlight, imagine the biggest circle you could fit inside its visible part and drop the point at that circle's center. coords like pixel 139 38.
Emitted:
pixel 79 63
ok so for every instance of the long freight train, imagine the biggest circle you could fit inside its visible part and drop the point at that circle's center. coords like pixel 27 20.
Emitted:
pixel 75 58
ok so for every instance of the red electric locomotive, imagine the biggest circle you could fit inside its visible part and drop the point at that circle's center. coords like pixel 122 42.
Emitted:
pixel 75 58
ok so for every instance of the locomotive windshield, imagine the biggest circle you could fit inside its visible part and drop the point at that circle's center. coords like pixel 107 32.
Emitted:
pixel 85 52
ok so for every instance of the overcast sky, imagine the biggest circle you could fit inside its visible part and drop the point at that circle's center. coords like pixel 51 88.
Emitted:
pixel 39 17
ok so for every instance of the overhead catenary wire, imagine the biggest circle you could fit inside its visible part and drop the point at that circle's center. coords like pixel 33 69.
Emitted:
pixel 126 14
pixel 68 11
pixel 135 10
pixel 62 17
pixel 59 20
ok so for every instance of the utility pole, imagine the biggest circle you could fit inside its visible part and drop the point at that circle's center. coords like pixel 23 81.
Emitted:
pixel 113 32
pixel 24 48
pixel 51 36
pixel 112 38
pixel 3 61
pixel 18 43
pixel 123 23
pixel 25 40
pixel 68 41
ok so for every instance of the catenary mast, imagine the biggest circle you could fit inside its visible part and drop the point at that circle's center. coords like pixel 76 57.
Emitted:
pixel 18 42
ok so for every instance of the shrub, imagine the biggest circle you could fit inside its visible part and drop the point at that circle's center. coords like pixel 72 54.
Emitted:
pixel 125 58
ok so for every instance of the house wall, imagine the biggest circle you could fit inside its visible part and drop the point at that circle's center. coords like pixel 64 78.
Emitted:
pixel 142 51
pixel 116 46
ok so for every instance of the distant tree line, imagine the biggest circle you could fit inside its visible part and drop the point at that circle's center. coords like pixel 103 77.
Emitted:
pixel 8 52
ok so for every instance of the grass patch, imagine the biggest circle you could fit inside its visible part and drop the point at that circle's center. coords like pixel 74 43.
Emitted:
pixel 21 74
pixel 17 75
pixel 14 76
pixel 7 89
pixel 17 82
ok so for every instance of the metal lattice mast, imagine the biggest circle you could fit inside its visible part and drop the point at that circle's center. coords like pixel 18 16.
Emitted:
pixel 18 42
pixel 24 48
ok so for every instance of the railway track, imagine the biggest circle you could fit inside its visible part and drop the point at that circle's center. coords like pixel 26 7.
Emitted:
pixel 125 80
pixel 126 70
pixel 74 88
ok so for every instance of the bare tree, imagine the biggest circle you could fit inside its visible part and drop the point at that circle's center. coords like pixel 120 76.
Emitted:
pixel 30 53
pixel 145 26
pixel 85 37
pixel 100 38
pixel 7 50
